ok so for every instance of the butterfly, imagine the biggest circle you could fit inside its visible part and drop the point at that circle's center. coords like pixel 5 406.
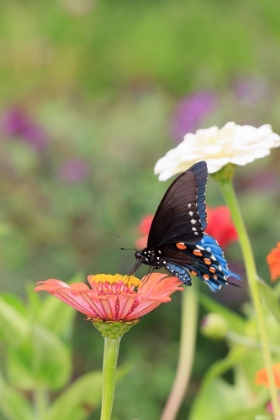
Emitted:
pixel 177 240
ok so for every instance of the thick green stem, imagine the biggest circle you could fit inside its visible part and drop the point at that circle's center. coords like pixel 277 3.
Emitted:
pixel 110 359
pixel 186 353
pixel 229 194
pixel 41 398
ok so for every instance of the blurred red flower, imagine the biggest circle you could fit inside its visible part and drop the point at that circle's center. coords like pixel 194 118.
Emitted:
pixel 219 226
pixel 114 298
pixel 273 261
pixel 144 229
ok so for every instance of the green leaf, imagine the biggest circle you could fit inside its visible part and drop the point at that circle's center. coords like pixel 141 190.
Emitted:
pixel 263 417
pixel 270 298
pixel 236 322
pixel 215 402
pixel 15 302
pixel 249 414
pixel 13 406
pixel 216 398
pixel 13 324
pixel 34 300
pixel 81 398
pixel 41 360
pixel 57 317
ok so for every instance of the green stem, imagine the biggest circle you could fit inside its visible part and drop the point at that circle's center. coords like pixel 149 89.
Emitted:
pixel 229 194
pixel 186 353
pixel 110 359
pixel 41 398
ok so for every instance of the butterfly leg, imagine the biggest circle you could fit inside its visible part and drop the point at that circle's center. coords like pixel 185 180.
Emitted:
pixel 135 268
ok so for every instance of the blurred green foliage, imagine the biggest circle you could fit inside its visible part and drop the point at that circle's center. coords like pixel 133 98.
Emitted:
pixel 37 338
pixel 103 79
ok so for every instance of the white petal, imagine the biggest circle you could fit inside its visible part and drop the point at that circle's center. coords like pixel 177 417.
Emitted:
pixel 232 143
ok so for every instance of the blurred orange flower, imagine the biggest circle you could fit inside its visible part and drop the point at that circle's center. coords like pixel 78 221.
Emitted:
pixel 262 376
pixel 114 298
pixel 273 261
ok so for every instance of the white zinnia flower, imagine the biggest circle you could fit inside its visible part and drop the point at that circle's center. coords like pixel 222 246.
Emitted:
pixel 231 144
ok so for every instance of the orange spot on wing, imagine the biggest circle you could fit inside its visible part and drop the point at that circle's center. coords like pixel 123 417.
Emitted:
pixel 215 277
pixel 194 273
pixel 212 269
pixel 181 245
pixel 206 277
pixel 197 253
pixel 207 261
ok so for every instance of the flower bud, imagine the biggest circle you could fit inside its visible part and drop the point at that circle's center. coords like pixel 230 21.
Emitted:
pixel 214 326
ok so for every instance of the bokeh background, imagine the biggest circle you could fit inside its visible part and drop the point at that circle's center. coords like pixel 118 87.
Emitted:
pixel 92 94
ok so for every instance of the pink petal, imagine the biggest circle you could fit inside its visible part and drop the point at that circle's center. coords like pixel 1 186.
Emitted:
pixel 154 290
pixel 159 286
pixel 127 305
pixel 75 300
pixel 49 285
pixel 143 308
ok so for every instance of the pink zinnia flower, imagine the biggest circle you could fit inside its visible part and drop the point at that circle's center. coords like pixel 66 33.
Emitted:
pixel 114 297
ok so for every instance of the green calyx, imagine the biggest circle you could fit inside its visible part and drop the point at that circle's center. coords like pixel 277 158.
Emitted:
pixel 225 174
pixel 113 329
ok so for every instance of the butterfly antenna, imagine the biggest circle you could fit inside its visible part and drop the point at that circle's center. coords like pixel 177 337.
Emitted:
pixel 126 249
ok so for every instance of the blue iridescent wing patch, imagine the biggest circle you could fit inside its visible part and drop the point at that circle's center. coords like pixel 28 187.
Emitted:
pixel 207 262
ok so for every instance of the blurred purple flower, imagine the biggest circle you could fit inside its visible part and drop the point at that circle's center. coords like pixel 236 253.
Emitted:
pixel 190 112
pixel 73 170
pixel 266 181
pixel 16 123
pixel 251 90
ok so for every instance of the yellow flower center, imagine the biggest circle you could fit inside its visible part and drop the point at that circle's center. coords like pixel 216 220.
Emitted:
pixel 107 284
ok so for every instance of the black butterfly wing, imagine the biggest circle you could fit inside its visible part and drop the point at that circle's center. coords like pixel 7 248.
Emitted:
pixel 181 215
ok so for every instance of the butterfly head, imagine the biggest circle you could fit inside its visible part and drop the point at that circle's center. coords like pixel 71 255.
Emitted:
pixel 149 257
